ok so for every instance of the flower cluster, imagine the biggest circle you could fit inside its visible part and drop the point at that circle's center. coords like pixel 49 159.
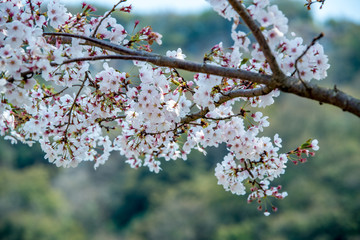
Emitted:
pixel 149 114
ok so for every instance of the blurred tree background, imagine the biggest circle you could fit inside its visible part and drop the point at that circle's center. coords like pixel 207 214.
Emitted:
pixel 40 201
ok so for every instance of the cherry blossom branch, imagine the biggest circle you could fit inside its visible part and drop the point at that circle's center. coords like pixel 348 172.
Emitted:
pixel 195 116
pixel 308 5
pixel 264 90
pixel 73 105
pixel 306 50
pixel 103 57
pixel 292 85
pixel 192 117
pixel 231 95
pixel 224 118
pixel 264 46
pixel 106 16
pixel 55 94
pixel 32 12
pixel 109 119
pixel 67 38
pixel 312 91
pixel 162 104
pixel 226 97
pixel 164 61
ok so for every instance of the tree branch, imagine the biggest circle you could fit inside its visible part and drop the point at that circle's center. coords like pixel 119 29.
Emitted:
pixel 283 83
pixel 312 91
pixel 32 12
pixel 73 105
pixel 231 95
pixel 264 90
pixel 164 61
pixel 103 57
pixel 264 46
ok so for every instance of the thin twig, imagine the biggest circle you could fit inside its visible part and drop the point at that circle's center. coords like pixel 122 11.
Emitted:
pixel 106 16
pixel 302 55
pixel 73 105
pixel 32 12
pixel 224 118
pixel 102 57
pixel 55 94
pixel 234 94
pixel 109 119
pixel 306 50
pixel 308 5
pixel 259 36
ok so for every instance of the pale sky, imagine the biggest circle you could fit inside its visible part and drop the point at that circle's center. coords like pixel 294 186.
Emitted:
pixel 349 9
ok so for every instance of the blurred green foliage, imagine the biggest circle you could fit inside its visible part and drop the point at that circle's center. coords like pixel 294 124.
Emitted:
pixel 31 209
pixel 39 201
pixel 345 57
